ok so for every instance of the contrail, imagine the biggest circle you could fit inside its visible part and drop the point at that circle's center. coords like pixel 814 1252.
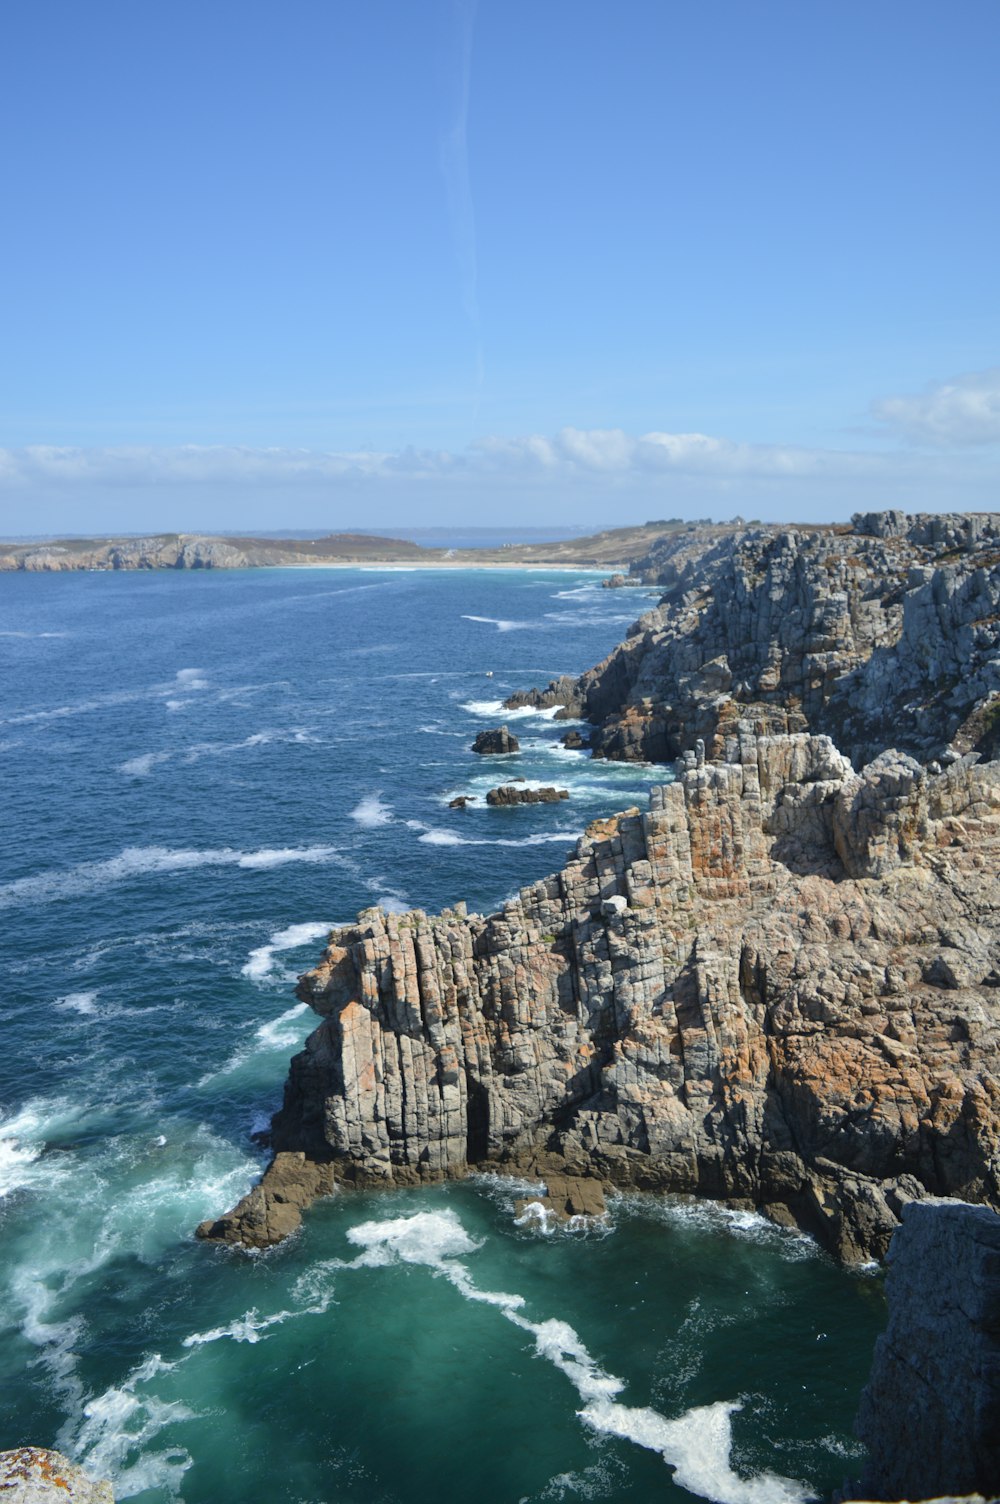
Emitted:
pixel 458 187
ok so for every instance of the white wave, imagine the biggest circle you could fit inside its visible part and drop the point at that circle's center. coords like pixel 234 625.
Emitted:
pixel 23 1137
pixel 34 634
pixel 246 1328
pixel 15 1159
pixel 433 835
pixel 422 1238
pixel 589 592
pixel 483 707
pixel 178 704
pixel 282 1033
pixel 113 1436
pixel 710 1216
pixel 592 618
pixel 491 708
pixel 387 897
pixel 190 678
pixel 371 811
pixel 141 767
pixel 277 1035
pixel 696 1445
pixel 84 1003
pixel 261 960
pixel 501 624
pixel 142 861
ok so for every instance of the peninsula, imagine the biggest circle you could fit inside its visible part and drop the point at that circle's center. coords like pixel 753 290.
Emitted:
pixel 779 984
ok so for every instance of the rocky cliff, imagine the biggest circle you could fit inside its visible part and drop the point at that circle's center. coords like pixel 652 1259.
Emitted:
pixel 778 984
pixel 930 1416
pixel 883 633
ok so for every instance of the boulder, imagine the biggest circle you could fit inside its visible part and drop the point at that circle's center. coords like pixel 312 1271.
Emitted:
pixel 35 1475
pixel 498 742
pixel 509 793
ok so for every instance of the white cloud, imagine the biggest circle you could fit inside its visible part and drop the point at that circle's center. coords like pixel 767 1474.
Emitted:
pixel 965 410
pixel 593 476
pixel 597 454
pixel 612 453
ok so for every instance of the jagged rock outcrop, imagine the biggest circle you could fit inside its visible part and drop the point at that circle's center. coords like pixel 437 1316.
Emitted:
pixel 930 1416
pixel 780 984
pixel 498 742
pixel 512 793
pixel 885 633
pixel 35 1475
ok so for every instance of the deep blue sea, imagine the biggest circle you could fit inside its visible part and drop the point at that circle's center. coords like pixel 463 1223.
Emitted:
pixel 203 772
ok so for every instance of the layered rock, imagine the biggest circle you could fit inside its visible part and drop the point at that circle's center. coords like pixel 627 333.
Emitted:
pixel 930 1416
pixel 884 633
pixel 778 984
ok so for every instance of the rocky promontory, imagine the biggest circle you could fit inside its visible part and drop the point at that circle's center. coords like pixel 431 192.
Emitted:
pixel 777 985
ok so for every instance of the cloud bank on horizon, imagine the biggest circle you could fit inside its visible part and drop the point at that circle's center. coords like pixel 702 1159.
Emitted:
pixel 594 468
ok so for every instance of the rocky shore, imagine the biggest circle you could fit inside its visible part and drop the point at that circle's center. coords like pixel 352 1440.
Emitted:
pixel 780 984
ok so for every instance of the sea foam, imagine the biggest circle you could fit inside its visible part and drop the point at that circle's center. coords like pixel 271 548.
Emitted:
pixel 697 1444
pixel 261 961
pixel 371 811
pixel 142 861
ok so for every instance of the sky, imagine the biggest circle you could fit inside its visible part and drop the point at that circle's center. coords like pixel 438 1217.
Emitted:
pixel 331 264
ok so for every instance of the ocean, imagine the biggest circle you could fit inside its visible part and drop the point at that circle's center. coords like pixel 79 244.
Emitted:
pixel 202 773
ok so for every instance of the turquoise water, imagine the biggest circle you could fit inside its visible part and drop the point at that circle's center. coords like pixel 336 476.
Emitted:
pixel 202 773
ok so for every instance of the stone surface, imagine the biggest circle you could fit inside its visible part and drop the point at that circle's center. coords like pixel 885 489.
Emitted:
pixel 780 983
pixel 273 1209
pixel 510 793
pixel 33 1475
pixel 499 741
pixel 882 634
pixel 930 1416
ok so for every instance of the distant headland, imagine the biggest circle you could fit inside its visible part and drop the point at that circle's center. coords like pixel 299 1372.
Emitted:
pixel 612 549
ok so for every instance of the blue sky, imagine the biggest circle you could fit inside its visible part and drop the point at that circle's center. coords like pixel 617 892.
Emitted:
pixel 424 261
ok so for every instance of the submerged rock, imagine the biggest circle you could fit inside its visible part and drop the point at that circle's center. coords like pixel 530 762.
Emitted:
pixel 509 793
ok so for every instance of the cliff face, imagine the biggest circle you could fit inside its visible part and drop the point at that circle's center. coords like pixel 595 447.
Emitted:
pixel 930 1416
pixel 778 984
pixel 883 634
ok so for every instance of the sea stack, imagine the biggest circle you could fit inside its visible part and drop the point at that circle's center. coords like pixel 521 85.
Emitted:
pixel 498 742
